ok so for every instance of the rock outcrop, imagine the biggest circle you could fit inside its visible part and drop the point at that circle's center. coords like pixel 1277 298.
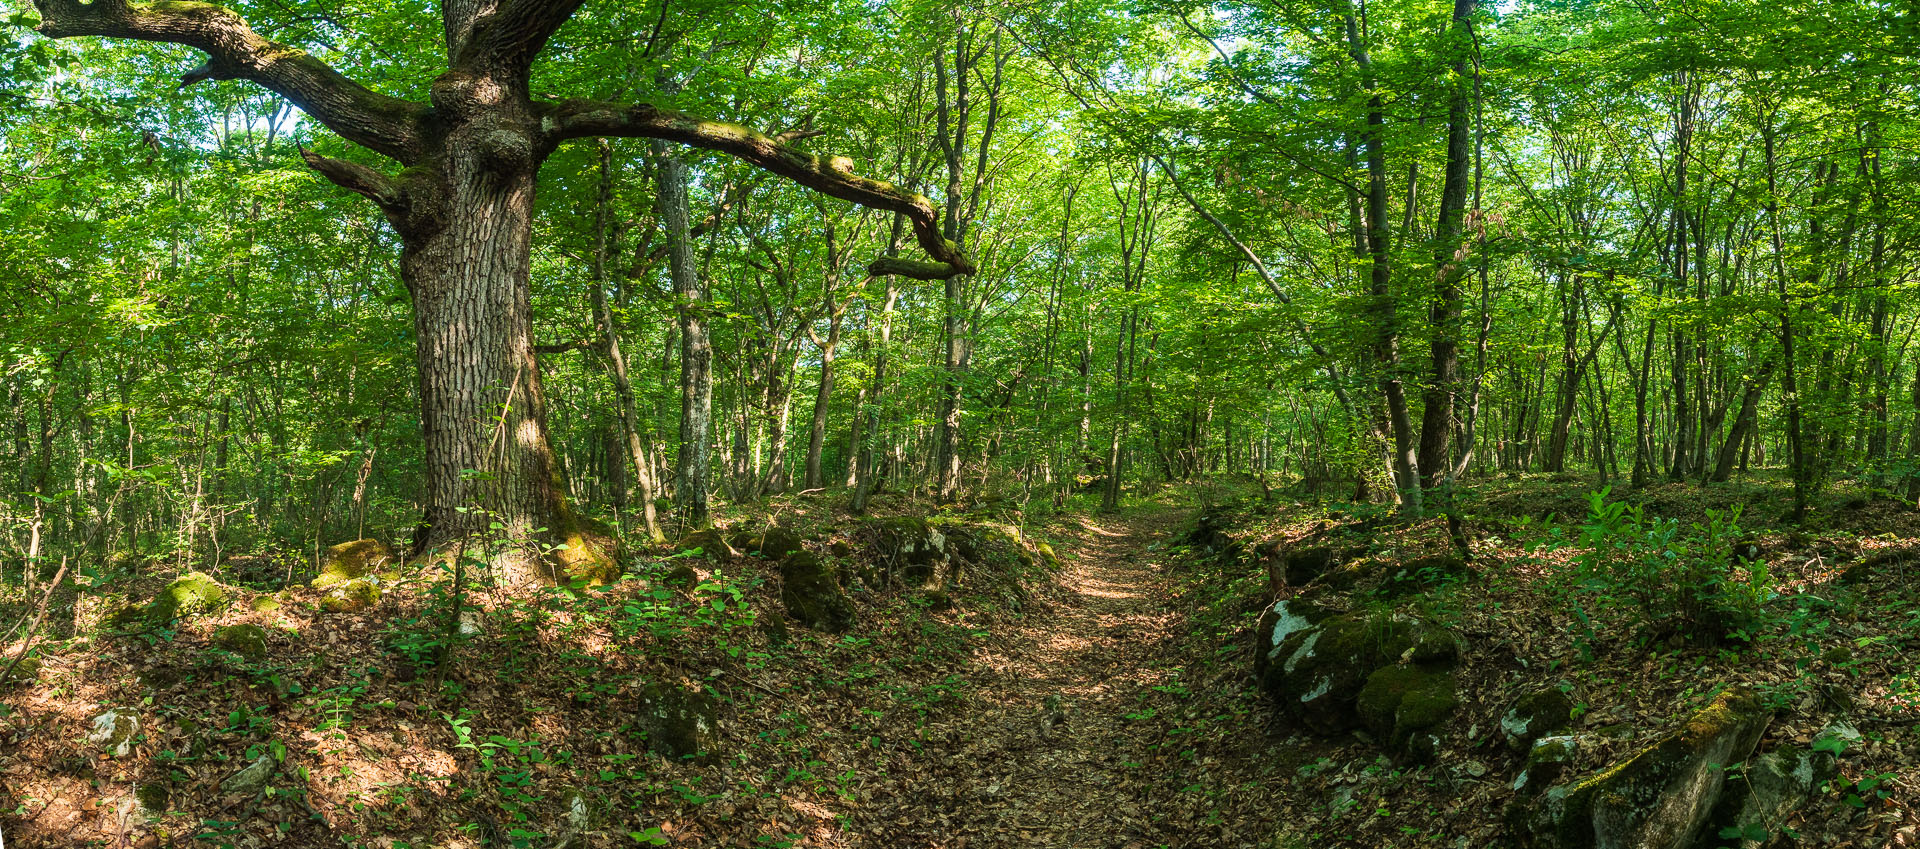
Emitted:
pixel 709 542
pixel 1662 797
pixel 774 543
pixel 1321 665
pixel 679 723
pixel 908 549
pixel 1761 797
pixel 810 590
pixel 356 559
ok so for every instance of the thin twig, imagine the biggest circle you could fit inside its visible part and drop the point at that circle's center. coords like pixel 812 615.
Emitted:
pixel 39 614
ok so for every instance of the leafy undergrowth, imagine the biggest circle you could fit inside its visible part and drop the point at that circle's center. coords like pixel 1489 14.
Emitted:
pixel 525 736
pixel 1822 649
pixel 1113 707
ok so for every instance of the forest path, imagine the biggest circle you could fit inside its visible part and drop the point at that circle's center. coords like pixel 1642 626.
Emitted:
pixel 1048 754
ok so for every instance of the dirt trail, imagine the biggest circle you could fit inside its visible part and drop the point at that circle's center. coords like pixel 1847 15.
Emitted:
pixel 1055 760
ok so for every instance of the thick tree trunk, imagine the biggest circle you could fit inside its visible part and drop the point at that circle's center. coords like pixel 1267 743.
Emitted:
pixel 483 414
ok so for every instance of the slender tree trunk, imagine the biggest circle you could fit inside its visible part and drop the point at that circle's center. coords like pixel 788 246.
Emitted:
pixel 691 469
pixel 1913 439
pixel 822 397
pixel 1789 376
pixel 1450 258
pixel 1744 422
pixel 635 445
pixel 868 465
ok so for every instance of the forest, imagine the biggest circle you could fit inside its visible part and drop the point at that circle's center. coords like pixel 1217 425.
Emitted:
pixel 960 423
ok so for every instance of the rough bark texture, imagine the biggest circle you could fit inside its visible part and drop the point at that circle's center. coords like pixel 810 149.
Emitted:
pixel 691 482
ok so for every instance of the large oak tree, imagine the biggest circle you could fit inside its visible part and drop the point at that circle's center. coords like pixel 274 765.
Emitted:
pixel 462 202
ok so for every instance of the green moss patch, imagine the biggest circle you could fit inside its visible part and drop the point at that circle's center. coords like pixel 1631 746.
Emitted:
pixel 191 594
pixel 350 560
pixel 248 641
pixel 810 590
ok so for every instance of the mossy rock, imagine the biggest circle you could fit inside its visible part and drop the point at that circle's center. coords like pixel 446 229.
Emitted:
pixel 265 604
pixel 1399 702
pixel 710 542
pixel 587 552
pixel 679 723
pixel 1345 576
pixel 1301 565
pixel 811 592
pixel 1769 791
pixel 115 731
pixel 351 597
pixel 127 617
pixel 997 547
pixel 840 548
pixel 1890 560
pixel 933 600
pixel 680 577
pixel 773 544
pixel 349 560
pixel 1661 797
pixel 1209 534
pixel 911 548
pixel 153 797
pixel 1047 556
pixel 248 641
pixel 25 672
pixel 191 594
pixel 1547 758
pixel 1535 715
pixel 1315 663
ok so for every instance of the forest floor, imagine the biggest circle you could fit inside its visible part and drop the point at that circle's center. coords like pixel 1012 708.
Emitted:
pixel 1105 703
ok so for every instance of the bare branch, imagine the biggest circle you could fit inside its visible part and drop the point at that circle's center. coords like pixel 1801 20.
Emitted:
pixel 564 347
pixel 828 175
pixel 387 125
pixel 358 179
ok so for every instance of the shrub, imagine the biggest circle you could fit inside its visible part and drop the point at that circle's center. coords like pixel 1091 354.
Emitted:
pixel 1688 576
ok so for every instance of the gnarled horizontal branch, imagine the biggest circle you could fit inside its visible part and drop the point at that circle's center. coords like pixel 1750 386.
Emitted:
pixel 915 268
pixel 388 125
pixel 828 175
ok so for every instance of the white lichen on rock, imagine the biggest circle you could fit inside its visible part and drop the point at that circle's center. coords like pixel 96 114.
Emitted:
pixel 114 731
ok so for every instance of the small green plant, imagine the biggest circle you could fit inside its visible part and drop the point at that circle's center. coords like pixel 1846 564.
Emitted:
pixel 1689 576
pixel 1869 791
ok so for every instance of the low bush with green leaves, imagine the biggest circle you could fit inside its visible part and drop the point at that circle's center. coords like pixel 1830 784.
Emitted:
pixel 1689 576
